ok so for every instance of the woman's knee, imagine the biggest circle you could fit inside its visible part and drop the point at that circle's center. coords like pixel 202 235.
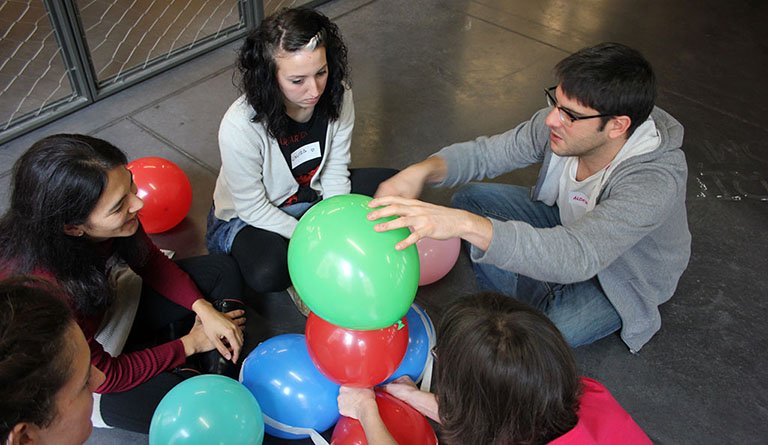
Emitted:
pixel 216 275
pixel 263 259
pixel 266 276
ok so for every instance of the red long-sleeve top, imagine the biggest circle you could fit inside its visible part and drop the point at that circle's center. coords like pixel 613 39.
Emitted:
pixel 128 370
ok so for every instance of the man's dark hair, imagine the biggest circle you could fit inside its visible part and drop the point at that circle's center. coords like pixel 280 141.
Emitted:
pixel 611 78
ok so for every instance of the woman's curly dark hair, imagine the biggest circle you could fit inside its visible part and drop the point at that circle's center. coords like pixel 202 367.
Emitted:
pixel 290 30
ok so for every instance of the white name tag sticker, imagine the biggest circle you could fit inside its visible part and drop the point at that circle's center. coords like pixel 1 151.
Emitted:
pixel 578 199
pixel 305 153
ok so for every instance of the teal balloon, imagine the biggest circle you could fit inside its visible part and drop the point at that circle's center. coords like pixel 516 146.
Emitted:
pixel 207 409
pixel 346 272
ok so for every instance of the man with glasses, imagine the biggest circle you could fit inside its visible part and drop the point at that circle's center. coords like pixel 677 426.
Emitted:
pixel 602 238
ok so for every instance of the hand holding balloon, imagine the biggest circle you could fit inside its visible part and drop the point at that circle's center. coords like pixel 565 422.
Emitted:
pixel 430 220
pixel 356 403
pixel 402 388
pixel 397 419
pixel 339 264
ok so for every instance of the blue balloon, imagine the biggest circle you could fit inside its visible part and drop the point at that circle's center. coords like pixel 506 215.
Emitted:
pixel 421 338
pixel 288 386
pixel 207 409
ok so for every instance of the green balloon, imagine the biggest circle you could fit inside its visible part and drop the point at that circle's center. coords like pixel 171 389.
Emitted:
pixel 207 409
pixel 346 272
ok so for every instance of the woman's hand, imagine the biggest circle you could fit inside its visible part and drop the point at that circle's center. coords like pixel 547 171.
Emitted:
pixel 196 341
pixel 360 404
pixel 224 331
pixel 424 402
pixel 356 403
pixel 402 388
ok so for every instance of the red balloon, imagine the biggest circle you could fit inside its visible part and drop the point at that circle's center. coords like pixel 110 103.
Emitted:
pixel 406 425
pixel 165 190
pixel 352 357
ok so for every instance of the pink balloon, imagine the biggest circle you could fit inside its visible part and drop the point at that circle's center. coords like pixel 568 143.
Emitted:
pixel 436 258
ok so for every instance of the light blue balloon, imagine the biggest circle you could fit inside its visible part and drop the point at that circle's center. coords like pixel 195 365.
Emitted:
pixel 421 335
pixel 207 409
pixel 289 387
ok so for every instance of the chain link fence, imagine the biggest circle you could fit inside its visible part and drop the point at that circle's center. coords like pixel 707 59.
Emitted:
pixel 59 55
pixel 129 35
pixel 33 75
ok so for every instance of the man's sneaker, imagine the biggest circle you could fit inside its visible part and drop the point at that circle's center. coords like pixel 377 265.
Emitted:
pixel 297 301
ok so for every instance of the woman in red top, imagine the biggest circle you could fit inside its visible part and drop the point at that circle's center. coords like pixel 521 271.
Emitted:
pixel 73 219
pixel 503 375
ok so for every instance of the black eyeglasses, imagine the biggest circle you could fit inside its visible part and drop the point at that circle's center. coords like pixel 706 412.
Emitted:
pixel 566 116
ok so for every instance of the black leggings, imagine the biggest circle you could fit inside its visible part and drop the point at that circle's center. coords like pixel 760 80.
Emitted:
pixel 263 255
pixel 159 320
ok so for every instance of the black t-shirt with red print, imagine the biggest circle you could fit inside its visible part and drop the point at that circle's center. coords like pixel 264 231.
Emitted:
pixel 303 150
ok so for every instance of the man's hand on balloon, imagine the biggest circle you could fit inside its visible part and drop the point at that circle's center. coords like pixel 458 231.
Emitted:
pixel 429 220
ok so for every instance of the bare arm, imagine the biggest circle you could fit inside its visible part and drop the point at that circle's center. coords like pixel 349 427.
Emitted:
pixel 360 404
pixel 410 181
pixel 424 402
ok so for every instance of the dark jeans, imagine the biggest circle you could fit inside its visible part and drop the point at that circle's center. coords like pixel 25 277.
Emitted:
pixel 159 320
pixel 581 310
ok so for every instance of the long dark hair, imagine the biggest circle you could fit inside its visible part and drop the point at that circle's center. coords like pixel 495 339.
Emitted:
pixel 35 353
pixel 290 30
pixel 503 374
pixel 58 182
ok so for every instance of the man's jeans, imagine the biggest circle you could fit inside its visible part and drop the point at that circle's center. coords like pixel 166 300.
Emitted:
pixel 581 311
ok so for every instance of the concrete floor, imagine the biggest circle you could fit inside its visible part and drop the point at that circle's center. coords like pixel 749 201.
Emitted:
pixel 430 72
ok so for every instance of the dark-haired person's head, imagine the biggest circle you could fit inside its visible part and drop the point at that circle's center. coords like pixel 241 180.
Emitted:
pixel 272 78
pixel 503 374
pixel 69 191
pixel 62 179
pixel 611 78
pixel 46 378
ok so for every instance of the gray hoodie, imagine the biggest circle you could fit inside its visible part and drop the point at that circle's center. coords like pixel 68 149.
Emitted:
pixel 636 239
